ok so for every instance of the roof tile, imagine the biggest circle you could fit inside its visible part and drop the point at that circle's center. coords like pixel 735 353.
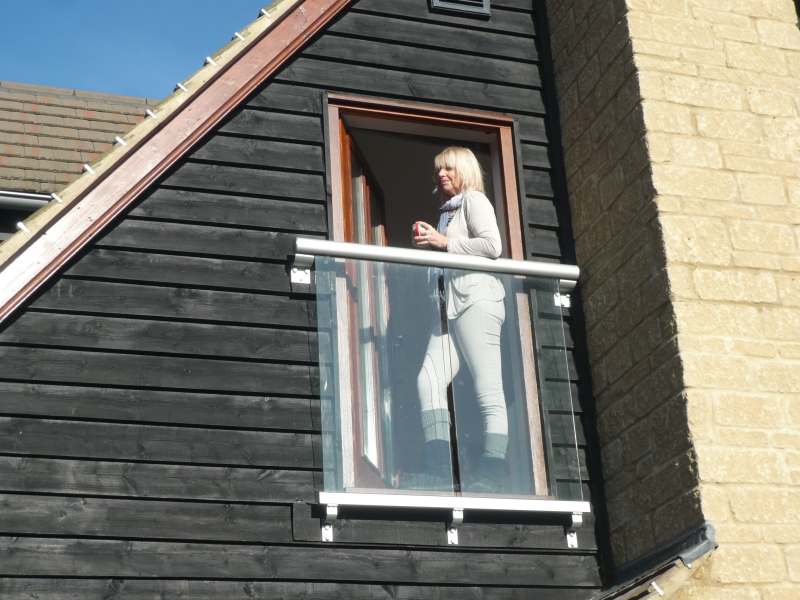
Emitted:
pixel 54 142
pixel 62 132
pixel 11 126
pixel 59 130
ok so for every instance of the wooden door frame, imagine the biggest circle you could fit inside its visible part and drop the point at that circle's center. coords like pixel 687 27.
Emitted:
pixel 335 107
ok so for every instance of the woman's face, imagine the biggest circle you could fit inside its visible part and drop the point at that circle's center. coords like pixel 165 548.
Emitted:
pixel 447 181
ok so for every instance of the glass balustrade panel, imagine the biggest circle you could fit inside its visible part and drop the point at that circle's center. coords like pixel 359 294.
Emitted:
pixel 430 381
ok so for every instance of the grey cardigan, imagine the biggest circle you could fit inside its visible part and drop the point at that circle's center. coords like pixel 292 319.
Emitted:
pixel 473 230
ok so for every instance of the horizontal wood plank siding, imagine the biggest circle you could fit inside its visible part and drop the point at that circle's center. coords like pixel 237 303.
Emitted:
pixel 159 421
pixel 138 589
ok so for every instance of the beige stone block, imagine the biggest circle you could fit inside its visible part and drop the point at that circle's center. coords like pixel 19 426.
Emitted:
pixel 700 414
pixel 737 409
pixel 676 180
pixel 739 34
pixel 785 150
pixel 779 33
pixel 743 438
pixel 770 102
pixel 762 237
pixel 650 85
pixel 659 145
pixel 790 263
pixel 793 561
pixel 640 25
pixel 793 60
pixel 793 186
pixel 696 152
pixel 669 204
pixel 762 166
pixel 714 500
pixel 719 16
pixel 754 348
pixel 667 117
pixel 718 371
pixel 785 440
pixel 704 58
pixel 748 563
pixel 776 375
pixel 681 282
pixel 735 286
pixel 683 32
pixel 735 533
pixel 738 126
pixel 714 318
pixel 752 57
pixel 644 46
pixel 764 504
pixel 719 72
pixel 718 208
pixel 704 343
pixel 789 291
pixel 781 128
pixel 793 412
pixel 703 92
pixel 790 350
pixel 732 148
pixel 696 240
pixel 691 590
pixel 656 63
pixel 783 533
pixel 790 215
pixel 756 260
pixel 676 8
pixel 780 592
pixel 725 464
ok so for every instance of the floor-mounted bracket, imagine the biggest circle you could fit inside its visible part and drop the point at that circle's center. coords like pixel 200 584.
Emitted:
pixel 456 519
pixel 562 300
pixel 300 272
pixel 571 530
pixel 331 514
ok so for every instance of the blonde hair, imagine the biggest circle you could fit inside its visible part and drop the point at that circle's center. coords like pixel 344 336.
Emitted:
pixel 468 172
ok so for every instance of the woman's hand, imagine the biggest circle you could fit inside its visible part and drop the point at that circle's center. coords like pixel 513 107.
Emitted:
pixel 428 236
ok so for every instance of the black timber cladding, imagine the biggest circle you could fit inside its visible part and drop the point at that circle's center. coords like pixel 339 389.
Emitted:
pixel 160 420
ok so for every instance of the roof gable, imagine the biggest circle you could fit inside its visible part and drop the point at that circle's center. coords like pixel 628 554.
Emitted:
pixel 60 230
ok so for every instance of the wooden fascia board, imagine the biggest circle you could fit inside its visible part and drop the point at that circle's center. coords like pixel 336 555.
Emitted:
pixel 62 239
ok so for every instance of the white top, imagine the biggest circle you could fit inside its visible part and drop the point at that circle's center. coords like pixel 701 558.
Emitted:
pixel 473 230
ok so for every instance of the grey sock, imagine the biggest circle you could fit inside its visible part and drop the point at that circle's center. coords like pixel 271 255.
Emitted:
pixel 436 424
pixel 495 445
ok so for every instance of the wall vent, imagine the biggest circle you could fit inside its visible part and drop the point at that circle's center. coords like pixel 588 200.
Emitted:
pixel 471 7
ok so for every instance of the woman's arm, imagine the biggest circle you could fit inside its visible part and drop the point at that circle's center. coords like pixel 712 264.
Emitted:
pixel 484 236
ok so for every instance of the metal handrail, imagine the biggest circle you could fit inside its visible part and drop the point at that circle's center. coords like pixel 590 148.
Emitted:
pixel 568 274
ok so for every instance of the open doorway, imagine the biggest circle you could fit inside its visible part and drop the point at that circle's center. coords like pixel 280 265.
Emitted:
pixel 402 167
pixel 381 167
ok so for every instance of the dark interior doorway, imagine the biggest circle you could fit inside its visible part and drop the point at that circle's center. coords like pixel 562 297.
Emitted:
pixel 402 165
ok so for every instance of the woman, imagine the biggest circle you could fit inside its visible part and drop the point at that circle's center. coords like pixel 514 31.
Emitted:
pixel 475 314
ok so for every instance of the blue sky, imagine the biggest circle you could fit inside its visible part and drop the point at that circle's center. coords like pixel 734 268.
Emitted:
pixel 131 47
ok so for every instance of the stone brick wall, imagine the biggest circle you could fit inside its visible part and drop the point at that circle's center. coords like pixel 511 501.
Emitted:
pixel 682 140
pixel 648 462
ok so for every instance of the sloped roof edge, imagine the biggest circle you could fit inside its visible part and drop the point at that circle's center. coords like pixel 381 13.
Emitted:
pixel 58 231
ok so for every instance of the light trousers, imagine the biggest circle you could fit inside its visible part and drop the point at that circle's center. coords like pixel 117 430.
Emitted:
pixel 474 336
